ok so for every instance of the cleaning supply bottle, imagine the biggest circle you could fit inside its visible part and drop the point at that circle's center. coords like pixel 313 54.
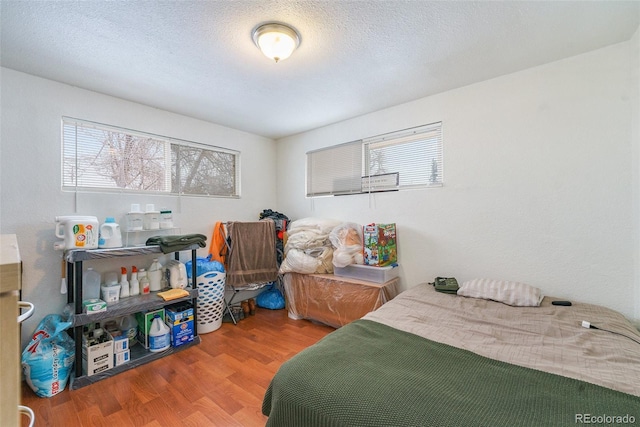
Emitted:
pixel 90 284
pixel 124 283
pixel 159 335
pixel 110 235
pixel 129 327
pixel 155 276
pixel 134 285
pixel 145 286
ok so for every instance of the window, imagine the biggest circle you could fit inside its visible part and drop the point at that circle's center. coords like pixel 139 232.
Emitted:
pixel 101 157
pixel 336 170
pixel 413 155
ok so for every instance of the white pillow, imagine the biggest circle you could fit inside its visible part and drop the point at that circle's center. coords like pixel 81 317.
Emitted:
pixel 510 293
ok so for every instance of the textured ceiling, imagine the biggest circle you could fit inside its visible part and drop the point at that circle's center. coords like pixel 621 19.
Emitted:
pixel 197 57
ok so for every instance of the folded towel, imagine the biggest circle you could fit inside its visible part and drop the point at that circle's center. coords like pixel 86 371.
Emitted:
pixel 173 294
pixel 170 244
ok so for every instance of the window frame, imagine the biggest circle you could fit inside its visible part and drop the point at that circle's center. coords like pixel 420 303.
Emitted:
pixel 169 161
pixel 429 136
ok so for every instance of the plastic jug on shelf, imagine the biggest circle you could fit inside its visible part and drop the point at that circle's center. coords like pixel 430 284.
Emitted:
pixel 110 234
pixel 90 284
pixel 159 335
pixel 176 274
pixel 155 276
pixel 129 327
pixel 78 232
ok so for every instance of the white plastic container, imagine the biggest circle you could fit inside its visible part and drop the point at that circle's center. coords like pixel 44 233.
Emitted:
pixel 166 219
pixel 129 327
pixel 134 285
pixel 111 294
pixel 151 218
pixel 78 232
pixel 159 335
pixel 110 234
pixel 176 274
pixel 145 286
pixel 135 218
pixel 369 273
pixel 111 278
pixel 90 284
pixel 124 284
pixel 154 273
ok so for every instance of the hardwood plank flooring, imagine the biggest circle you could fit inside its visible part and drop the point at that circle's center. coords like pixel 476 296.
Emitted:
pixel 220 382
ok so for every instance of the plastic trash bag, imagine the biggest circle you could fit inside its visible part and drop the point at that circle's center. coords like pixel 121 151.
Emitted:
pixel 204 265
pixel 271 298
pixel 48 358
pixel 347 239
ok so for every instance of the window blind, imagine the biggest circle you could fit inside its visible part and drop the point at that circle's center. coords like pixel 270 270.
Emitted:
pixel 97 156
pixel 415 154
pixel 335 170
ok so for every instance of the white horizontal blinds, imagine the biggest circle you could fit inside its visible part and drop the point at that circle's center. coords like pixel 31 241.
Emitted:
pixel 97 156
pixel 415 154
pixel 335 170
pixel 109 159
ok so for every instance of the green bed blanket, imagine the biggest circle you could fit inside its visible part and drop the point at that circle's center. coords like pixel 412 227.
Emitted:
pixel 369 374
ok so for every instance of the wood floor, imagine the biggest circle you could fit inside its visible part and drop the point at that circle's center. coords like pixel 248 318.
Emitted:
pixel 220 382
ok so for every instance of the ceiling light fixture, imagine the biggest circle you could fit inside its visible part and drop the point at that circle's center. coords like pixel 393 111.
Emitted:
pixel 277 41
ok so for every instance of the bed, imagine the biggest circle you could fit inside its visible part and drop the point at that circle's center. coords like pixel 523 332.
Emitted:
pixel 428 358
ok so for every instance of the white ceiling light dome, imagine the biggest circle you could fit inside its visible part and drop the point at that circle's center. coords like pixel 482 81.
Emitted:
pixel 276 41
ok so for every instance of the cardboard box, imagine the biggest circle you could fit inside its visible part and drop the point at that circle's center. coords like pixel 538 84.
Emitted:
pixel 380 248
pixel 179 318
pixel 92 306
pixel 97 357
pixel 122 357
pixel 182 333
pixel 144 325
pixel 120 343
pixel 178 313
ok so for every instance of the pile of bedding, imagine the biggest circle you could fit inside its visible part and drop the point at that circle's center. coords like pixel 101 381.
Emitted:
pixel 308 249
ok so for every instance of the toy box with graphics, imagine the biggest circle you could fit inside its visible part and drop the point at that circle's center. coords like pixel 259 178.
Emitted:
pixel 380 247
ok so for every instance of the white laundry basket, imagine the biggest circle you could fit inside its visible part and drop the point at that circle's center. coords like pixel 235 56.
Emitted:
pixel 210 301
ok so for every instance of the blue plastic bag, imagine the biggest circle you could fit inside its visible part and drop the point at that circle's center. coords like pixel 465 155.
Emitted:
pixel 204 265
pixel 48 358
pixel 271 298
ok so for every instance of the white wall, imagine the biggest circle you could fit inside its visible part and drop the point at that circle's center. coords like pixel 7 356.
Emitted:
pixel 539 181
pixel 541 178
pixel 30 174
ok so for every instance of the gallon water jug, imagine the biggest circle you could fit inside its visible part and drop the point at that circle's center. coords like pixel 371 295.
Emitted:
pixel 78 232
pixel 129 327
pixel 110 235
pixel 90 284
pixel 159 335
